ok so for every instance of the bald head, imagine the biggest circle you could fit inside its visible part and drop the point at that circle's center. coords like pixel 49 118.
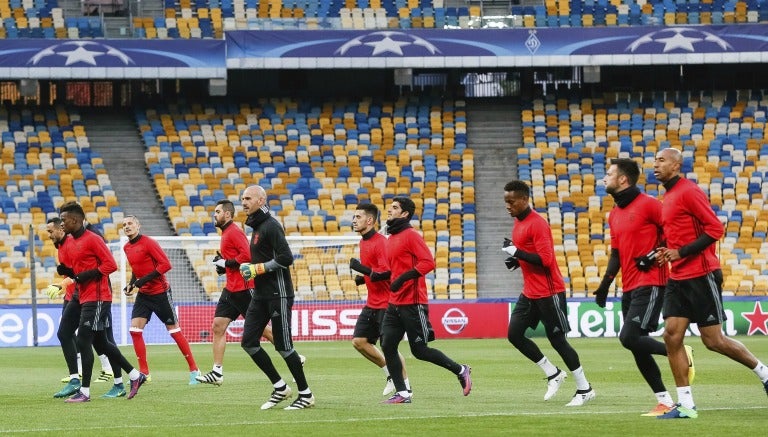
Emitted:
pixel 253 198
pixel 668 164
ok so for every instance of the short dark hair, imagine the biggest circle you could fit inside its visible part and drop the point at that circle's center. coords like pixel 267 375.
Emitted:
pixel 406 204
pixel 227 205
pixel 55 220
pixel 518 187
pixel 73 208
pixel 369 209
pixel 627 167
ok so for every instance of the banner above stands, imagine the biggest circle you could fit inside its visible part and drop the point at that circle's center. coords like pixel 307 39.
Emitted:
pixel 545 47
pixel 112 59
pixel 422 48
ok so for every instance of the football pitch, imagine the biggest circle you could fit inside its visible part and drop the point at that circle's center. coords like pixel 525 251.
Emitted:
pixel 506 399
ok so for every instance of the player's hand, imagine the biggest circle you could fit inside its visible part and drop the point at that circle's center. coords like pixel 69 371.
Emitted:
pixel 510 250
pixel 512 263
pixel 66 282
pixel 601 295
pixel 53 291
pixel 250 271
pixel 359 280
pixel 645 262
pixel 129 290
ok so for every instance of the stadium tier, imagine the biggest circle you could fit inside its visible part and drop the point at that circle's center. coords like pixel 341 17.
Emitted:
pixel 46 161
pixel 567 143
pixel 317 161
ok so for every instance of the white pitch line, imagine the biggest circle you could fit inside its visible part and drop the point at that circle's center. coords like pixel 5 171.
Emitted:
pixel 291 419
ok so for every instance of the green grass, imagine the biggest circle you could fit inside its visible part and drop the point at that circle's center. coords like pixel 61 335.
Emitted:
pixel 507 397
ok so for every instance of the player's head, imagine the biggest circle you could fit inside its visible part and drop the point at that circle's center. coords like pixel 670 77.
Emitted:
pixel 516 195
pixel 55 231
pixel 401 207
pixel 667 164
pixel 622 174
pixel 253 198
pixel 72 217
pixel 223 213
pixel 131 226
pixel 366 217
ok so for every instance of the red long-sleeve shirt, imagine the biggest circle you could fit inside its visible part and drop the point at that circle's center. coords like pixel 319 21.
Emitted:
pixel 373 249
pixel 145 255
pixel 234 245
pixel 686 214
pixel 88 251
pixel 635 231
pixel 406 250
pixel 532 234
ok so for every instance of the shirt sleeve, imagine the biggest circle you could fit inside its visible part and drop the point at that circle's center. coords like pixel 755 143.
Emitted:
pixel 700 208
pixel 102 252
pixel 163 264
pixel 425 262
pixel 542 241
pixel 283 254
pixel 240 242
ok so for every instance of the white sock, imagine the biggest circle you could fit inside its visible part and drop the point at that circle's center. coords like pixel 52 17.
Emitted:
pixel 280 384
pixel 385 370
pixel 581 380
pixel 306 393
pixel 407 384
pixel 404 394
pixel 218 368
pixel 663 397
pixel 86 391
pixel 685 397
pixel 118 380
pixel 105 366
pixel 79 363
pixel 547 366
pixel 74 376
pixel 133 375
pixel 761 371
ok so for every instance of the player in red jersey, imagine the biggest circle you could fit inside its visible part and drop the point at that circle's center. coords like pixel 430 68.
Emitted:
pixel 149 264
pixel 543 297
pixel 694 289
pixel 373 265
pixel 91 262
pixel 237 293
pixel 635 223
pixel 409 260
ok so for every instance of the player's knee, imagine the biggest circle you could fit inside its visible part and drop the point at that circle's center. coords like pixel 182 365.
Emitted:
pixel 250 349
pixel 359 343
pixel 219 328
pixel 420 350
pixel 628 340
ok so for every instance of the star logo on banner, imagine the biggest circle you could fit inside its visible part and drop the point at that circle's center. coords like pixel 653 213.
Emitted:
pixel 757 320
pixel 388 42
pixel 679 39
pixel 73 53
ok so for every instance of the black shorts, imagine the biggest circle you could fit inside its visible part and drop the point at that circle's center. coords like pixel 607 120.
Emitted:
pixel 96 316
pixel 231 305
pixel 369 324
pixel 159 304
pixel 260 313
pixel 412 320
pixel 700 300
pixel 551 311
pixel 643 306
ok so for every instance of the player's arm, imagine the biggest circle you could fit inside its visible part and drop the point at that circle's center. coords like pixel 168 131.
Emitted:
pixel 424 264
pixel 359 267
pixel 283 255
pixel 614 265
pixel 162 263
pixel 713 230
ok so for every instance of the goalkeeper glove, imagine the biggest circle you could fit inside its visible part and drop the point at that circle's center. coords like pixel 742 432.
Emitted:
pixel 250 271
pixel 359 280
pixel 53 291
pixel 645 262
pixel 508 247
pixel 512 263
pixel 601 295
pixel 220 263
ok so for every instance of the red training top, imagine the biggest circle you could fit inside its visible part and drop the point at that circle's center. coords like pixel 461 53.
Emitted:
pixel 635 231
pixel 406 250
pixel 145 256
pixel 532 234
pixel 685 215
pixel 88 251
pixel 234 245
pixel 373 250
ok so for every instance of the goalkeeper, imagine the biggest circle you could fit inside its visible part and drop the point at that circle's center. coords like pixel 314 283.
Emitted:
pixel 543 296
pixel 272 300
pixel 635 223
